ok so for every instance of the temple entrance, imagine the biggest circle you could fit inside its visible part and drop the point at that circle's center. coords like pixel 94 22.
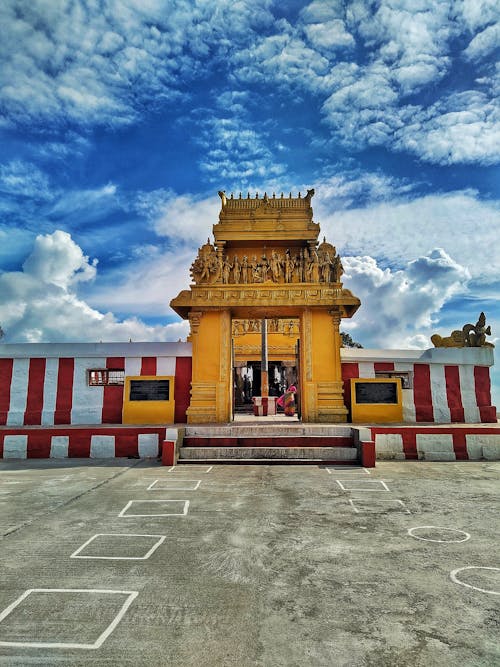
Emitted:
pixel 276 354
pixel 266 265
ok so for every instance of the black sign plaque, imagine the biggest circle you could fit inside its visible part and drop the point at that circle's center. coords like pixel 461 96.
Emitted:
pixel 376 392
pixel 149 390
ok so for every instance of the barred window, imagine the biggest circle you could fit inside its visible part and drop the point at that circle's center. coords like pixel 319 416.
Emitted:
pixel 99 377
pixel 406 377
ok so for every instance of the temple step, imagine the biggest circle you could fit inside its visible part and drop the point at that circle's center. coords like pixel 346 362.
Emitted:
pixel 343 454
pixel 316 441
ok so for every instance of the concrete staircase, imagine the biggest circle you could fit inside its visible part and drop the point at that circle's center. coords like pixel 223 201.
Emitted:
pixel 297 443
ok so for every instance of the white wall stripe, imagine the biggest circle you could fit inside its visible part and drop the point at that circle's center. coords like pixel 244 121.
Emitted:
pixel 18 392
pixel 439 396
pixel 165 366
pixel 133 366
pixel 59 445
pixel 468 392
pixel 15 446
pixel 50 391
pixel 102 446
pixel 87 401
pixel 366 369
pixel 409 412
pixel 148 444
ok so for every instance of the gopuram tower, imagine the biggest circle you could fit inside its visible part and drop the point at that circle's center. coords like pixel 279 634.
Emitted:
pixel 266 263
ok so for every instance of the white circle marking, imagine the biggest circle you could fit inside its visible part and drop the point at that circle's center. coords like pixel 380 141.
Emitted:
pixel 454 577
pixel 428 539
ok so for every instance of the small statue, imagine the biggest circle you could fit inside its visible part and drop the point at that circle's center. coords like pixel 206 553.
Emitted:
pixel 471 335
pixel 475 336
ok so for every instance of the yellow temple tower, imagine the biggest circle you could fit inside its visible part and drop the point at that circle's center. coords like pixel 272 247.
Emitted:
pixel 266 264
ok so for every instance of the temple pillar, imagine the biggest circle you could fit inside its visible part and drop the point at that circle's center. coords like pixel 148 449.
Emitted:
pixel 321 371
pixel 211 384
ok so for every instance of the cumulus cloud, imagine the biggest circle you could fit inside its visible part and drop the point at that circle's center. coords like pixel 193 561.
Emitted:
pixel 396 231
pixel 41 303
pixel 400 306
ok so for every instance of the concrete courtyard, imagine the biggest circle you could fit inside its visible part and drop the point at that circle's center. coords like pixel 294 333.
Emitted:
pixel 125 562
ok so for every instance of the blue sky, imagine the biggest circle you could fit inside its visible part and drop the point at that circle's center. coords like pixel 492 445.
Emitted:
pixel 120 120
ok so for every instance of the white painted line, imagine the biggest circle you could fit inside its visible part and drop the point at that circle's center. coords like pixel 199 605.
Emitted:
pixel 411 531
pixel 131 595
pixel 131 502
pixel 155 546
pixel 363 482
pixel 364 500
pixel 195 469
pixel 347 471
pixel 171 485
pixel 454 578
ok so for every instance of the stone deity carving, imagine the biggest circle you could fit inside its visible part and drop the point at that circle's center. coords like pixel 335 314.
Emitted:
pixel 471 335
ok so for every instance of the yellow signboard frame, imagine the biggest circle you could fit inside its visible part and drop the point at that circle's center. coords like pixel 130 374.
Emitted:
pixel 148 412
pixel 377 413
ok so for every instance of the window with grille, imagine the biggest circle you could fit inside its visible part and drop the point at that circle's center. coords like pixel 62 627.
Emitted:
pixel 99 377
pixel 406 377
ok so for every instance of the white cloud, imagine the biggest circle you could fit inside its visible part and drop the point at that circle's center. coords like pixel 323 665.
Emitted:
pixel 484 43
pixel 100 63
pixel 181 218
pixel 19 178
pixel 400 307
pixel 398 231
pixel 41 304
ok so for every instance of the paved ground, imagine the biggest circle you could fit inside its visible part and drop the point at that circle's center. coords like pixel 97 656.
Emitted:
pixel 267 565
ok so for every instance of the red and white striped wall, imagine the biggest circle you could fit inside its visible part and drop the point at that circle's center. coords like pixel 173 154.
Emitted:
pixel 76 442
pixel 449 385
pixel 47 384
pixel 445 443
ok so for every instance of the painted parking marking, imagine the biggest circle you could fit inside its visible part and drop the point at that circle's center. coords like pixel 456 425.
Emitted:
pixel 362 485
pixel 129 542
pixel 456 580
pixel 372 505
pixel 439 530
pixel 174 485
pixel 183 503
pixel 56 600
pixel 200 472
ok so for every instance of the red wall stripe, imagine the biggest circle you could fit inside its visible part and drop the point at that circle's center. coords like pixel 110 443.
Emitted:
pixel 183 373
pixel 34 401
pixel 64 397
pixel 6 366
pixel 422 393
pixel 349 370
pixel 454 393
pixel 148 366
pixel 382 366
pixel 482 383
pixel 112 403
pixel 38 445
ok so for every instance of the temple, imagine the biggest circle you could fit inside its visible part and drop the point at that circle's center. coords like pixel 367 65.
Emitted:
pixel 265 264
pixel 264 307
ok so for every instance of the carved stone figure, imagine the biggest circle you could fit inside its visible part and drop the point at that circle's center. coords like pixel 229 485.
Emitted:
pixel 236 269
pixel 314 267
pixel 244 269
pixel 471 335
pixel 264 268
pixel 289 265
pixel 475 335
pixel 276 266
pixel 338 269
pixel 226 271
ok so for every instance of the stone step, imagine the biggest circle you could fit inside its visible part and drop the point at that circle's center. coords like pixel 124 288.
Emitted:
pixel 268 441
pixel 332 454
pixel 268 430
